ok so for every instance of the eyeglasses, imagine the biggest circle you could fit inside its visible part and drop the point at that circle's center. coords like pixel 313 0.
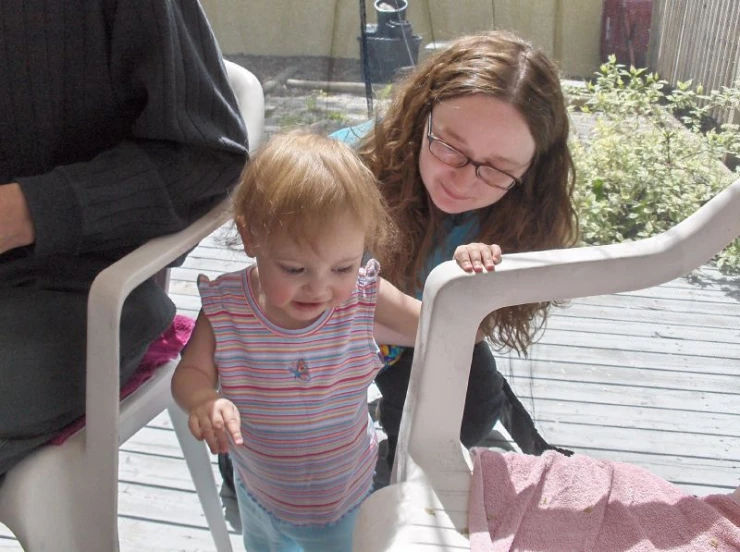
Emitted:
pixel 496 178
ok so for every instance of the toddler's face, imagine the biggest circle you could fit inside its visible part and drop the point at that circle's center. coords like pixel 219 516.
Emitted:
pixel 297 282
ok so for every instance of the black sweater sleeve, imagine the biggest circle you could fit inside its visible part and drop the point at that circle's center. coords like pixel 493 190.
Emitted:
pixel 183 150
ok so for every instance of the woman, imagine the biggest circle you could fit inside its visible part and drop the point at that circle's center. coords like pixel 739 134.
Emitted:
pixel 473 148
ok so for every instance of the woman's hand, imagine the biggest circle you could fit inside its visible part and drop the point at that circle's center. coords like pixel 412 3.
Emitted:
pixel 214 421
pixel 474 257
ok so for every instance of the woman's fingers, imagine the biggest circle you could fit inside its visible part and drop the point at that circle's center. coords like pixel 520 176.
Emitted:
pixel 490 255
pixel 474 257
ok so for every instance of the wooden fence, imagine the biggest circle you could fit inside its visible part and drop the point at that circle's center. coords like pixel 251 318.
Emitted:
pixel 697 40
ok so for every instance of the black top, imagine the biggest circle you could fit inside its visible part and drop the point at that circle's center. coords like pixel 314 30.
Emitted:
pixel 118 122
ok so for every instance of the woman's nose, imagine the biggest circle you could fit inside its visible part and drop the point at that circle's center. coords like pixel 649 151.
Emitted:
pixel 465 177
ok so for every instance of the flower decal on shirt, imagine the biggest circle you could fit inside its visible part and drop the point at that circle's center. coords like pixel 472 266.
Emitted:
pixel 301 371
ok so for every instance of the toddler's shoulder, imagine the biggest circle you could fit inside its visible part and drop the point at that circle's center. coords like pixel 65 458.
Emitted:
pixel 370 272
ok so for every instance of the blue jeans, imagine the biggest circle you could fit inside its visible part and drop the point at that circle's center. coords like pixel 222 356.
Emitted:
pixel 263 532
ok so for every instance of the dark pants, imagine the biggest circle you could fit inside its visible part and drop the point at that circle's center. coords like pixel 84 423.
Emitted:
pixel 42 358
pixel 488 399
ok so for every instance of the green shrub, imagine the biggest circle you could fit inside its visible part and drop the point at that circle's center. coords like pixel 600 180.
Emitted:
pixel 651 157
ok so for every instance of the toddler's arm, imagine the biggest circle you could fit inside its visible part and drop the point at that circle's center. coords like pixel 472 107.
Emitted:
pixel 387 336
pixel 398 313
pixel 211 418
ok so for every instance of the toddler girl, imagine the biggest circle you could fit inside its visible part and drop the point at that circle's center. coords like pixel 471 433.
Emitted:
pixel 288 343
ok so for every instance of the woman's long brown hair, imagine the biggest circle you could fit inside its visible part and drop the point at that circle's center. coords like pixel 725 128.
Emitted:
pixel 535 216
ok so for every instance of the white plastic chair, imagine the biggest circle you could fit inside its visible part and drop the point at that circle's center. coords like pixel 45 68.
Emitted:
pixel 425 507
pixel 65 498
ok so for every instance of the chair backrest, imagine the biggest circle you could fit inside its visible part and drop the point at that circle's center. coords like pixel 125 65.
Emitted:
pixel 114 284
pixel 251 100
pixel 454 303
pixel 108 423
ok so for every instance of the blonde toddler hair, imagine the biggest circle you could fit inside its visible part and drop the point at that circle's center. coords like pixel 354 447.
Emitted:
pixel 298 181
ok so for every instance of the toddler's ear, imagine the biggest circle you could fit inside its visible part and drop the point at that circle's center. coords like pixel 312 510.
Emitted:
pixel 246 236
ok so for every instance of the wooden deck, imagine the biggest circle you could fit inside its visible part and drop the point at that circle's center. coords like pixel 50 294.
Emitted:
pixel 650 377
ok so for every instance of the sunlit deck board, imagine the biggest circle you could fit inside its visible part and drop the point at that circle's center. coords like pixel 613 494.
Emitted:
pixel 650 377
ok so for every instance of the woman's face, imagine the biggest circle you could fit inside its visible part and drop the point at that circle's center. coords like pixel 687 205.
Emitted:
pixel 487 131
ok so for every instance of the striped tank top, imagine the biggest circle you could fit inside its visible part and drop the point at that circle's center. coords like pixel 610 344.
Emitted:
pixel 309 447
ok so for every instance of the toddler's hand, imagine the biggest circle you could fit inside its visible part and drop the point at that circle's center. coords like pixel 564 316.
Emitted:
pixel 214 421
pixel 474 257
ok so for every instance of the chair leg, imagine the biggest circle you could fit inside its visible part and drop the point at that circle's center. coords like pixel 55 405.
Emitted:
pixel 48 504
pixel 199 465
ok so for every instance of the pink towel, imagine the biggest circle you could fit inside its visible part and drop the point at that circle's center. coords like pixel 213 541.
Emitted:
pixel 161 351
pixel 558 504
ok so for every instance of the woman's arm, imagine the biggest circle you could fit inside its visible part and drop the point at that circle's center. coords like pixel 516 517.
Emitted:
pixel 211 418
pixel 396 315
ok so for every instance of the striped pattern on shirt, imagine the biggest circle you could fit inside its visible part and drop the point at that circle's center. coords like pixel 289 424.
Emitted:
pixel 309 445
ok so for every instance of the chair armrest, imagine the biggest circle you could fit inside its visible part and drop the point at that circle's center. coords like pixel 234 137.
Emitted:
pixel 454 303
pixel 107 295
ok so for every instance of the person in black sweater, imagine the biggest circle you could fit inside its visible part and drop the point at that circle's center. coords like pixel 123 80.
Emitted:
pixel 117 125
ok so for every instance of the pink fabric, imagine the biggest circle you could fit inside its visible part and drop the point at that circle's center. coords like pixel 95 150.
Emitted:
pixel 161 351
pixel 558 504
